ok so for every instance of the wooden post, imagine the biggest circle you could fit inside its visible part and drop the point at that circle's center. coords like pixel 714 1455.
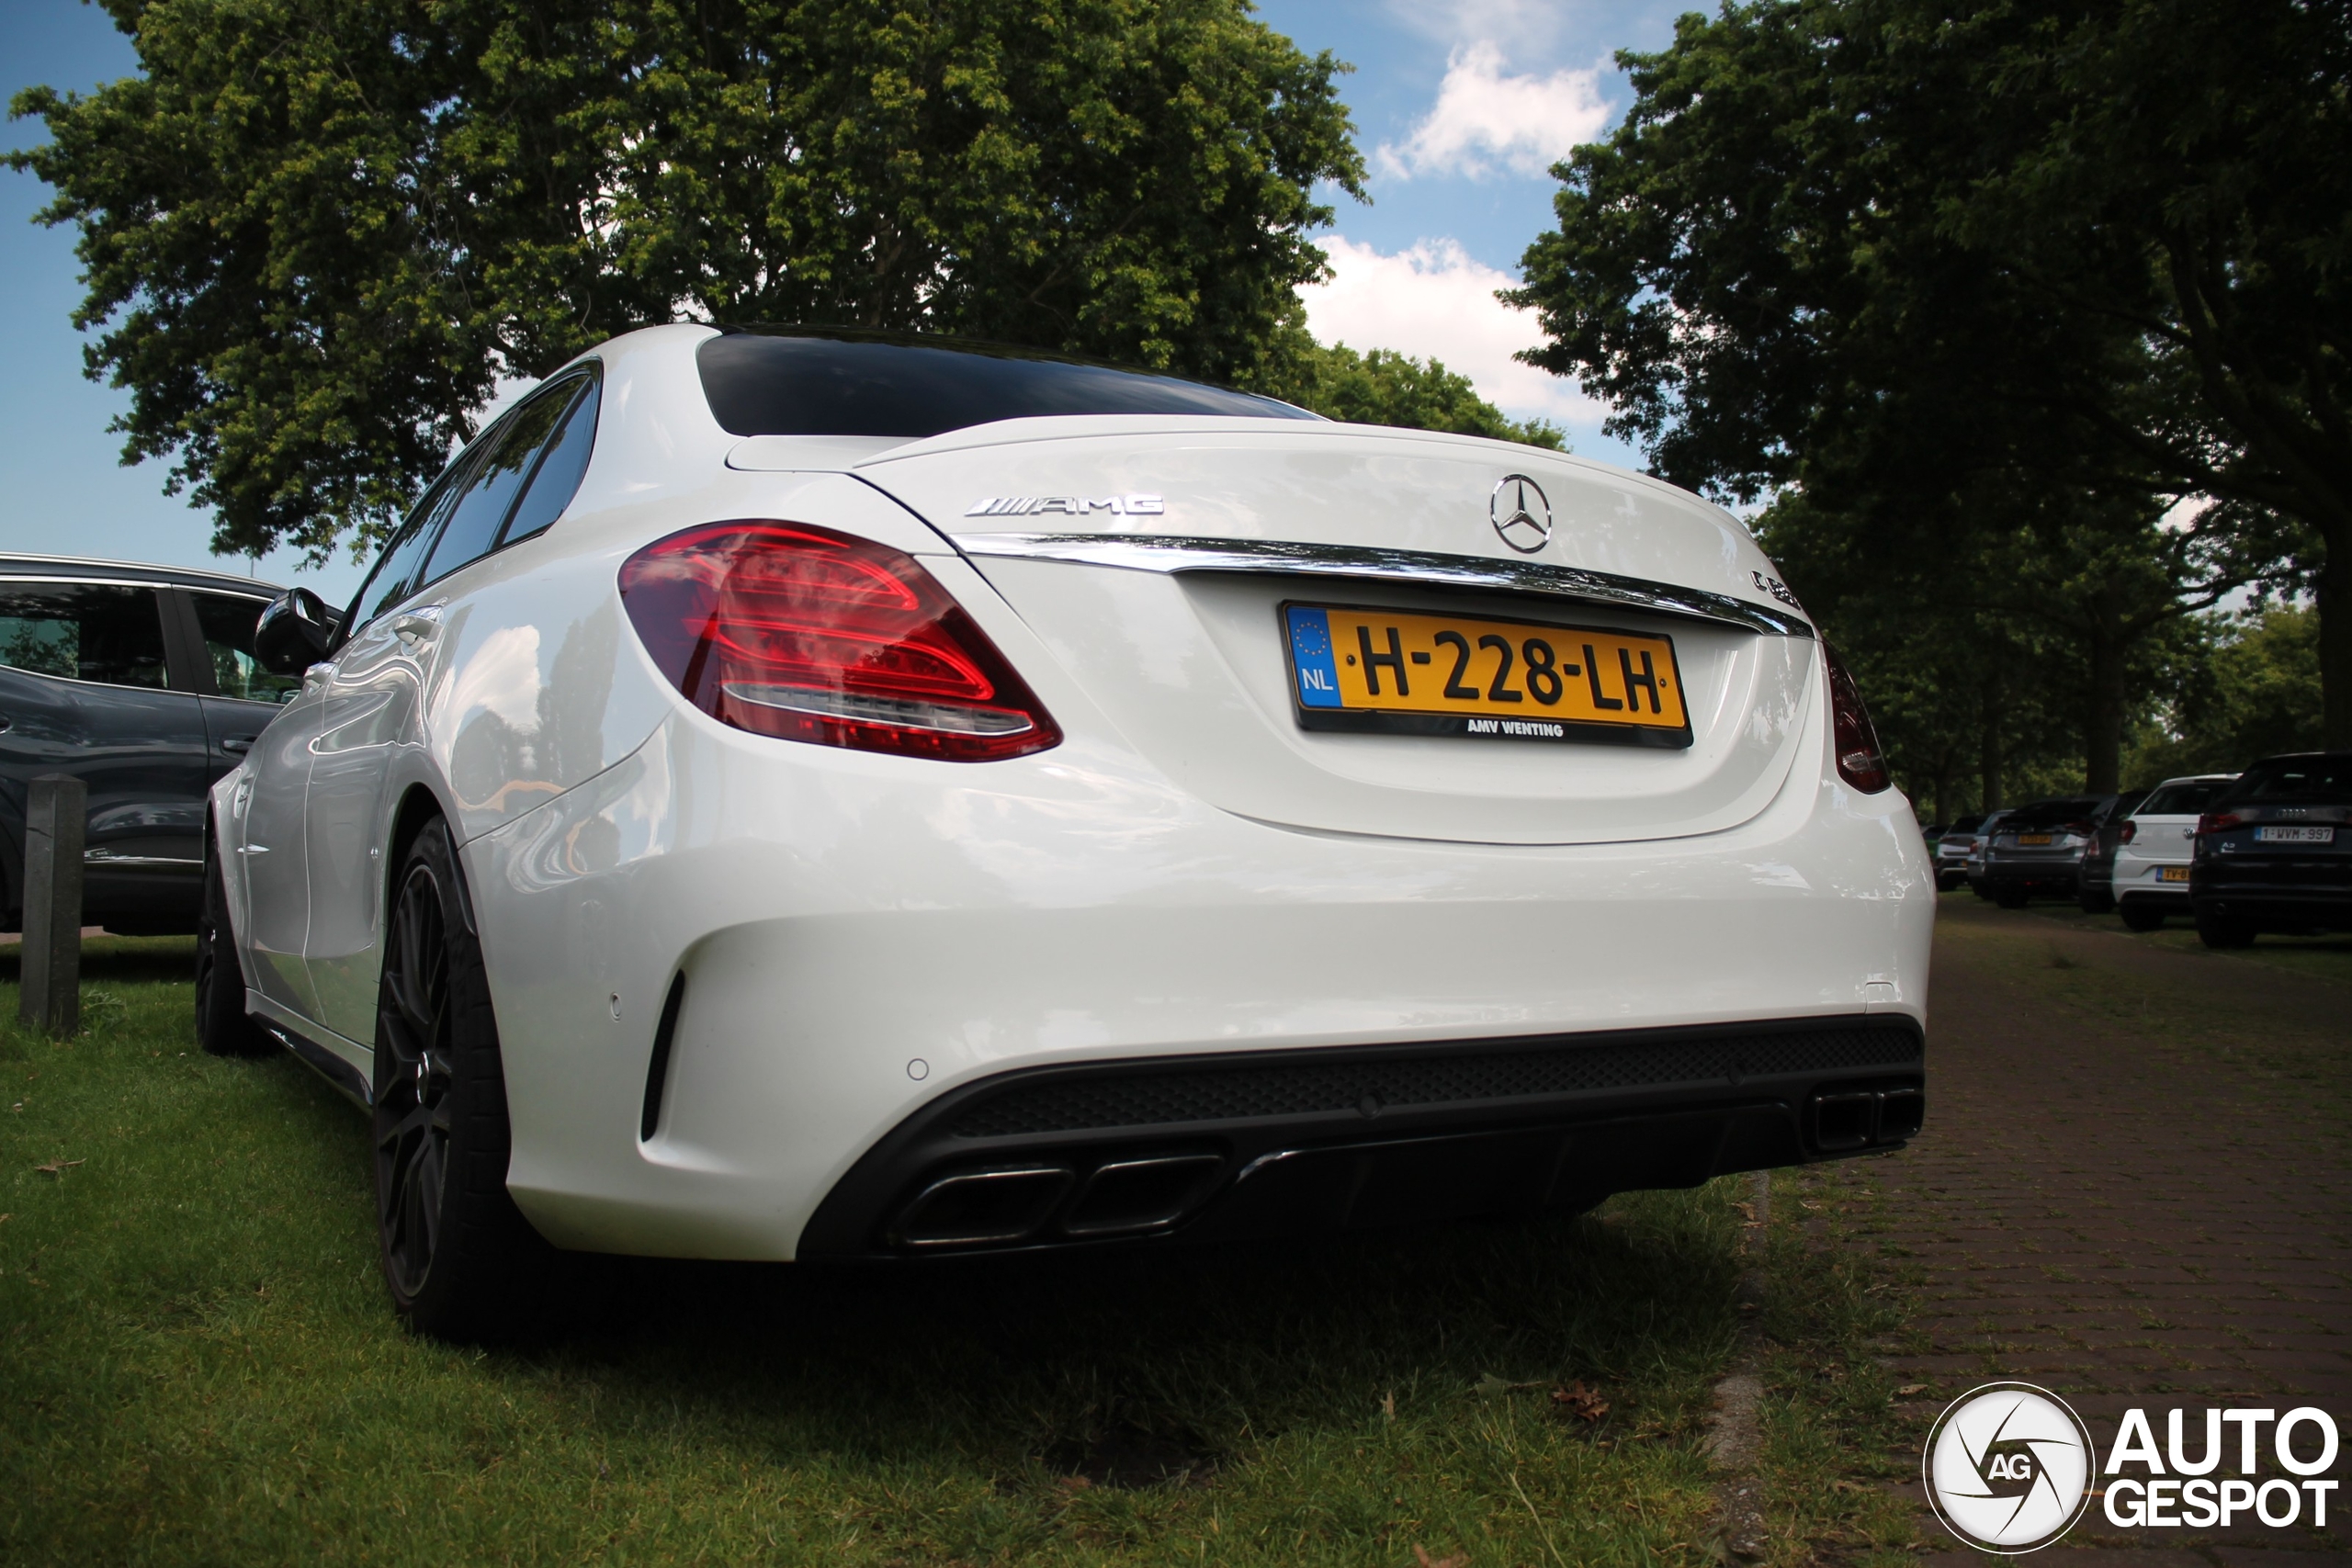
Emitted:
pixel 51 997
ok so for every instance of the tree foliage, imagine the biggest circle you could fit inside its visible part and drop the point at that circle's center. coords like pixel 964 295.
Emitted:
pixel 1937 261
pixel 1387 387
pixel 318 231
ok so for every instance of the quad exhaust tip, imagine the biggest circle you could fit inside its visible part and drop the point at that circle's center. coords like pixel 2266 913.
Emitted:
pixel 1847 1120
pixel 1003 1205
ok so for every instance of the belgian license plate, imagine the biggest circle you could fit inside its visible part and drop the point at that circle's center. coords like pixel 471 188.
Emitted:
pixel 2295 835
pixel 2172 873
pixel 1387 672
pixel 2033 837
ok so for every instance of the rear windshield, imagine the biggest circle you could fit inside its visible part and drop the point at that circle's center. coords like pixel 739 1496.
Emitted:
pixel 2180 799
pixel 1966 825
pixel 2052 813
pixel 763 384
pixel 2323 780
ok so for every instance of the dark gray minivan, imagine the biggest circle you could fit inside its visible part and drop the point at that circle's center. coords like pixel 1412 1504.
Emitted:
pixel 141 682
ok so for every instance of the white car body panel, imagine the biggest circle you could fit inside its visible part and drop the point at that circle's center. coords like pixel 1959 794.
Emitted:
pixel 1187 871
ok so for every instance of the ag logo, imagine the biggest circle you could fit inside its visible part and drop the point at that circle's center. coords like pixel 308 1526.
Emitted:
pixel 2009 1467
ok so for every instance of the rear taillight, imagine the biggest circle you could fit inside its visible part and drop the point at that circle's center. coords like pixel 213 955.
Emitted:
pixel 2217 822
pixel 804 634
pixel 2130 831
pixel 1859 761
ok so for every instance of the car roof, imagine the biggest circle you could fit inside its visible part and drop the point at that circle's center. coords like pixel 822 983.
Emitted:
pixel 19 564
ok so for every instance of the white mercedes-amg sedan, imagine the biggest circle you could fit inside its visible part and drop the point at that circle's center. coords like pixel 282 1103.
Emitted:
pixel 809 795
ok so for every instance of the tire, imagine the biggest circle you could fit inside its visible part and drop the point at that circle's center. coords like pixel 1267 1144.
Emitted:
pixel 222 1027
pixel 2216 930
pixel 2144 916
pixel 459 1257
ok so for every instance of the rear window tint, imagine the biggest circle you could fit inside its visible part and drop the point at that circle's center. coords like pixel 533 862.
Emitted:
pixel 2324 780
pixel 2180 799
pixel 760 384
pixel 2052 813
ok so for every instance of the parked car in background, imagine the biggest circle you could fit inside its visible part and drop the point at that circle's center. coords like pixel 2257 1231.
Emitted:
pixel 2274 851
pixel 2095 887
pixel 1973 862
pixel 2037 850
pixel 1950 849
pixel 2148 872
pixel 140 681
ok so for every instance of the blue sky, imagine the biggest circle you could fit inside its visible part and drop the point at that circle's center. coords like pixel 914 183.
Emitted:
pixel 1458 106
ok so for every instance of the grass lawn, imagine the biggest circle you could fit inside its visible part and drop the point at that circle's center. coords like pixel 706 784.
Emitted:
pixel 198 1365
pixel 2329 957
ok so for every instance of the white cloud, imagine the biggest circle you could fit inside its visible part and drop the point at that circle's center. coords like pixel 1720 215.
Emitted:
pixel 1435 301
pixel 1533 26
pixel 1484 118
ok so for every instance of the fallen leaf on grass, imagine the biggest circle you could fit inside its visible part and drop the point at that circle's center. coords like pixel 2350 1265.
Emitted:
pixel 1847 1486
pixel 1908 1389
pixel 1807 1203
pixel 1422 1559
pixel 57 1166
pixel 1490 1385
pixel 1748 1209
pixel 1577 1400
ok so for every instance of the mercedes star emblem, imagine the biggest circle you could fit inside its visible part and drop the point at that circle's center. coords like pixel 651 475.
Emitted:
pixel 1520 513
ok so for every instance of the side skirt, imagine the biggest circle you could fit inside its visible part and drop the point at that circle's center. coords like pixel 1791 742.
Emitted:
pixel 295 1033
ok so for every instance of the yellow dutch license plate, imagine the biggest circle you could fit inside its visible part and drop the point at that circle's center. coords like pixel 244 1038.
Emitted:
pixel 2033 839
pixel 2172 873
pixel 1387 672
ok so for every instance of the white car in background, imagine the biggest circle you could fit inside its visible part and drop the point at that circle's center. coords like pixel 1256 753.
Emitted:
pixel 2159 839
pixel 813 795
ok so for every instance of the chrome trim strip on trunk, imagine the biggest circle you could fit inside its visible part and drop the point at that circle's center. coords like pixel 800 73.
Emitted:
pixel 1161 553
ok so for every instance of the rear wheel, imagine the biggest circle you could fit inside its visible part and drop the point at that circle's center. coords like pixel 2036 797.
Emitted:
pixel 221 1026
pixel 2142 916
pixel 459 1259
pixel 2216 930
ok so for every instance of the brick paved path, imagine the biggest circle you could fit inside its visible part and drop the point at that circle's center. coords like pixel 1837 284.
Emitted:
pixel 2136 1191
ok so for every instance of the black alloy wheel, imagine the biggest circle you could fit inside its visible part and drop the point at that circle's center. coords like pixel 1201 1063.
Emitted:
pixel 459 1259
pixel 222 1027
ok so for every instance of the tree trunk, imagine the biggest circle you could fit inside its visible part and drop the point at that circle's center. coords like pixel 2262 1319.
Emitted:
pixel 1988 752
pixel 2108 696
pixel 2336 644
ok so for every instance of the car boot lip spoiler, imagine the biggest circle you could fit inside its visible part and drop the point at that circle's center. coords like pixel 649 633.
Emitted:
pixel 1173 555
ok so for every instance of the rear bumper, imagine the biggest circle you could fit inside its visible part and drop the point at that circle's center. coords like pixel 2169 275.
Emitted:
pixel 2045 879
pixel 2292 909
pixel 1297 1143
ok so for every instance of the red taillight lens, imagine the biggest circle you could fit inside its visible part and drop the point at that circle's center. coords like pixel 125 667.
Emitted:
pixel 1859 761
pixel 2131 830
pixel 804 634
pixel 2217 822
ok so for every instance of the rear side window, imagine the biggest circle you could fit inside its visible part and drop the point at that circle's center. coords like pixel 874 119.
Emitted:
pixel 884 384
pixel 2324 780
pixel 509 452
pixel 2180 799
pixel 562 464
pixel 226 622
pixel 83 631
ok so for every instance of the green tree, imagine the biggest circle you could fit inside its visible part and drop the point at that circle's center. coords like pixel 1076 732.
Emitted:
pixel 2251 692
pixel 1898 250
pixel 317 231
pixel 1387 387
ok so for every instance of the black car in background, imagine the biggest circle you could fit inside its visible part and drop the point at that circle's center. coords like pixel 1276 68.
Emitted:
pixel 2036 851
pixel 2274 851
pixel 2095 888
pixel 141 682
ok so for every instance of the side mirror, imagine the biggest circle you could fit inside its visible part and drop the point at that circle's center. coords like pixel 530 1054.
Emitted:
pixel 294 633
